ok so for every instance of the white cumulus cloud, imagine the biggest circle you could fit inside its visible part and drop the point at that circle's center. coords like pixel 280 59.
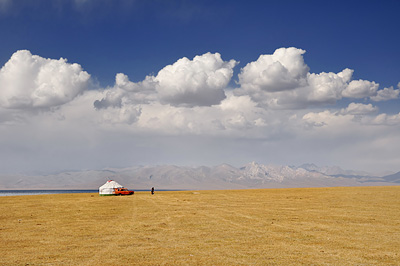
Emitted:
pixel 283 70
pixel 279 115
pixel 386 94
pixel 327 87
pixel 236 115
pixel 197 82
pixel 360 89
pixel 385 119
pixel 355 116
pixel 282 81
pixel 359 109
pixel 126 92
pixel 31 81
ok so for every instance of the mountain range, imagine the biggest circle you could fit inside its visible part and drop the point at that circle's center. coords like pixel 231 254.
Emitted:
pixel 224 176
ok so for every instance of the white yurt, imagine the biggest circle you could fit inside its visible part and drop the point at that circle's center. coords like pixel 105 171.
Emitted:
pixel 108 188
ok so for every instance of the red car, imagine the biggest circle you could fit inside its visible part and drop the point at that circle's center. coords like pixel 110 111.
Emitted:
pixel 123 191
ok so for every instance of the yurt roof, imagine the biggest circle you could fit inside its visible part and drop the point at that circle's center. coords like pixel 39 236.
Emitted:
pixel 111 184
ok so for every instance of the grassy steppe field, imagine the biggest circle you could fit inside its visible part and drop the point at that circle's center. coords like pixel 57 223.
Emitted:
pixel 319 226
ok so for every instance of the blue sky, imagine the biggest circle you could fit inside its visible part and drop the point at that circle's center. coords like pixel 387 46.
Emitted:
pixel 140 38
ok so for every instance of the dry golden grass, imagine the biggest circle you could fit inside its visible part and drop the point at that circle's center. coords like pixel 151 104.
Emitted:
pixel 319 226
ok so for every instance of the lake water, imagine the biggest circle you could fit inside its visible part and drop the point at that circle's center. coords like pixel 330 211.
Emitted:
pixel 60 191
pixel 41 192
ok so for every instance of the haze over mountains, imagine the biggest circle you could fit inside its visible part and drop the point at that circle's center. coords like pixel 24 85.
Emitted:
pixel 224 176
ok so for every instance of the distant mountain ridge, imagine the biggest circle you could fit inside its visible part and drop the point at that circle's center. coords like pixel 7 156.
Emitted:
pixel 332 170
pixel 224 176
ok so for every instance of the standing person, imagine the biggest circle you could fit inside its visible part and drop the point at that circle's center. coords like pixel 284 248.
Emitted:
pixel 152 191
